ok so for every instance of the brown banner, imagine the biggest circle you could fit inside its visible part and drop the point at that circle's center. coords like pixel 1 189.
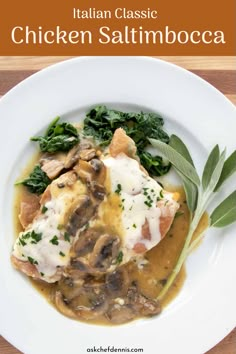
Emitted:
pixel 118 27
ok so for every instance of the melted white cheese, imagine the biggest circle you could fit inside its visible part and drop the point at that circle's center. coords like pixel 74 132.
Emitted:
pixel 48 256
pixel 138 194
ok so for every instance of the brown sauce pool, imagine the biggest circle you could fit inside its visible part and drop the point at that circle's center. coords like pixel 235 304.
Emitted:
pixel 161 260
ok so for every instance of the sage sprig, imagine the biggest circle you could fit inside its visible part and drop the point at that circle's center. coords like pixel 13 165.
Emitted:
pixel 190 188
pixel 199 191
pixel 225 213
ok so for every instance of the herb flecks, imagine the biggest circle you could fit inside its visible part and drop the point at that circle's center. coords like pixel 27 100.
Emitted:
pixel 67 237
pixel 150 197
pixel 44 209
pixel 62 254
pixel 118 189
pixel 54 240
pixel 30 237
pixel 32 260
pixel 119 258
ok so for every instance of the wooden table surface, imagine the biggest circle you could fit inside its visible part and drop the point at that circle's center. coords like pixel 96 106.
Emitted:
pixel 219 71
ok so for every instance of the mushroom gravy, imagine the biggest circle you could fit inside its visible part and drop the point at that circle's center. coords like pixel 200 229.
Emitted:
pixel 151 274
pixel 111 274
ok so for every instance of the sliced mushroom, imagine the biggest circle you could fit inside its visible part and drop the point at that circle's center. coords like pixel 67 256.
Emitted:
pixel 96 165
pixel 87 154
pixel 67 179
pixel 99 171
pixel 143 305
pixel 62 306
pixel 70 287
pixel 77 273
pixel 53 164
pixel 85 144
pixel 91 303
pixel 53 168
pixel 97 190
pixel 72 157
pixel 80 265
pixel 85 242
pixel 119 314
pixel 105 251
pixel 117 282
pixel 85 171
pixel 134 305
pixel 81 215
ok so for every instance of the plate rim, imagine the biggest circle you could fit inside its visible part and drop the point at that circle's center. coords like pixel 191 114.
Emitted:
pixel 79 59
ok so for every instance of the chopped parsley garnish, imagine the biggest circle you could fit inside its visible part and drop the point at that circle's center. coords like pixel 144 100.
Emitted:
pixel 34 236
pixel 22 242
pixel 42 274
pixel 118 188
pixel 134 226
pixel 149 198
pixel 32 260
pixel 62 254
pixel 121 206
pixel 148 203
pixel 26 236
pixel 67 236
pixel 119 258
pixel 54 240
pixel 44 209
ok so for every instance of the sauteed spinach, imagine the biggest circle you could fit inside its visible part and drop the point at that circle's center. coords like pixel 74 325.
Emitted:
pixel 58 137
pixel 101 123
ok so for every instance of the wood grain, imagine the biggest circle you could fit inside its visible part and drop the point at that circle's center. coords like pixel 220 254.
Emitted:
pixel 219 71
pixel 7 348
pixel 195 63
pixel 223 80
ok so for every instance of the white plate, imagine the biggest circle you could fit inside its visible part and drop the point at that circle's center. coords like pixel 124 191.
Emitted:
pixel 205 311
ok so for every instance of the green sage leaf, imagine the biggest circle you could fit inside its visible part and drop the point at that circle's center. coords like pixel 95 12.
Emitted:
pixel 177 144
pixel 180 163
pixel 228 169
pixel 210 166
pixel 191 192
pixel 215 176
pixel 225 213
